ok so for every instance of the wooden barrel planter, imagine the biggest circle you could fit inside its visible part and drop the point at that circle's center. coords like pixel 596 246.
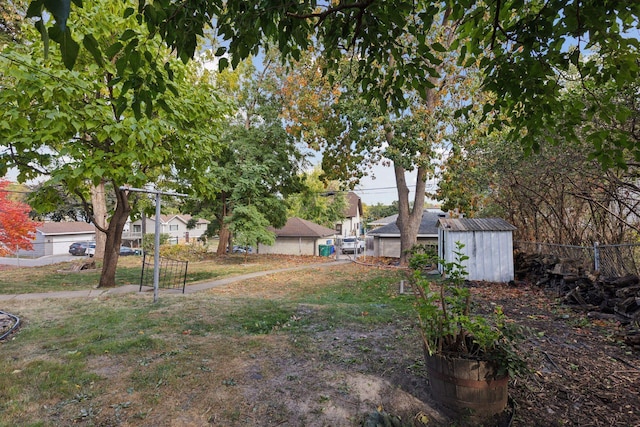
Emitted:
pixel 467 387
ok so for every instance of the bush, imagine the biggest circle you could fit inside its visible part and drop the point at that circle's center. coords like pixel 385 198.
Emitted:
pixel 184 252
pixel 148 243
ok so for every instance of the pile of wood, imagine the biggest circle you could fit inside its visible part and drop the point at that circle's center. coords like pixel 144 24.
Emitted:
pixel 614 298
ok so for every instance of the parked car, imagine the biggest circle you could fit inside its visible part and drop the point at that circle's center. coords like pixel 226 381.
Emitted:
pixel 79 248
pixel 242 249
pixel 91 250
pixel 124 250
pixel 352 245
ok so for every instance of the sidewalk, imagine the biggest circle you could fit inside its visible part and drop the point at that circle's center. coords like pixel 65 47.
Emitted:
pixel 189 289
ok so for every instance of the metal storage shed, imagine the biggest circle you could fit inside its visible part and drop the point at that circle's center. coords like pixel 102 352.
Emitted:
pixel 488 242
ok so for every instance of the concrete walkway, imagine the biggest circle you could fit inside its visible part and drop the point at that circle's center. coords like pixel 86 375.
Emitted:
pixel 94 293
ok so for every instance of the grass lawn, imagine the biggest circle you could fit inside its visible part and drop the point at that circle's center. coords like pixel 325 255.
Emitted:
pixel 322 346
pixel 60 277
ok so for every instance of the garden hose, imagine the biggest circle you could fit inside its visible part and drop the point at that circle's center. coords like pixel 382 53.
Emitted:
pixel 13 328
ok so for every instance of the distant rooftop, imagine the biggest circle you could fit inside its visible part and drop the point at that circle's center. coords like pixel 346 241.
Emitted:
pixel 428 226
pixel 67 227
pixel 298 227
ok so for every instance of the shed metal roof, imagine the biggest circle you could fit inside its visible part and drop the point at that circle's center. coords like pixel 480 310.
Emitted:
pixel 475 224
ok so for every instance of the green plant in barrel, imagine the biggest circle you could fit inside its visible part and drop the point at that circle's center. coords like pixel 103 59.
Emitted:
pixel 469 356
pixel 448 324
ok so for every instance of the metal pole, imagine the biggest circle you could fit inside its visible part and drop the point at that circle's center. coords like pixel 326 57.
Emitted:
pixel 156 252
pixel 596 256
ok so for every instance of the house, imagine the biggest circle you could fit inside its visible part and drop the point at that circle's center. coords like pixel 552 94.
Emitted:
pixel 173 225
pixel 54 238
pixel 385 241
pixel 299 237
pixel 488 242
pixel 352 223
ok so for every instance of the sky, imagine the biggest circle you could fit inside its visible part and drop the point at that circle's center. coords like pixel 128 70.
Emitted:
pixel 382 188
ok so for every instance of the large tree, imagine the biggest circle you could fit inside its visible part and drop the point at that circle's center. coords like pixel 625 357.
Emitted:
pixel 257 166
pixel 84 129
pixel 524 48
pixel 355 134
pixel 17 230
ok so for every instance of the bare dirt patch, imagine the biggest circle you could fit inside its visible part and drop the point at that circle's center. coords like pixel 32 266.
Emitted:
pixel 581 372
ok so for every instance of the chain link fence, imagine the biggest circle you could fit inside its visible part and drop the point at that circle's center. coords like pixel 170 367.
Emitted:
pixel 618 260
pixel 611 260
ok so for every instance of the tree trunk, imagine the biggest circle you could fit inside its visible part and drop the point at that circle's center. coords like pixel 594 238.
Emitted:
pixel 99 203
pixel 224 235
pixel 409 219
pixel 114 239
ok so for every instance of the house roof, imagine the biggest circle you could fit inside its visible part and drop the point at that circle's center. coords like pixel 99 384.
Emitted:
pixel 428 226
pixel 475 224
pixel 354 205
pixel 298 227
pixel 165 219
pixel 384 221
pixel 76 227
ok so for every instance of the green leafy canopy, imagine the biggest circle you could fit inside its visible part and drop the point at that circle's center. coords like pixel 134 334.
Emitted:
pixel 524 48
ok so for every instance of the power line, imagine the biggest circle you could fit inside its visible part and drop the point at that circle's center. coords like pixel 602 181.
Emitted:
pixel 69 82
pixel 429 186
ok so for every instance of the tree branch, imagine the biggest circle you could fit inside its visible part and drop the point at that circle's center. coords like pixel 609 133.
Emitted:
pixel 332 10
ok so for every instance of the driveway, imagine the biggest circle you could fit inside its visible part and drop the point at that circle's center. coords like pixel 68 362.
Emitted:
pixel 38 262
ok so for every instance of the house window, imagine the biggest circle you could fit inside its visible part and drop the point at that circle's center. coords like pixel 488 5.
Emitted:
pixel 339 228
pixel 173 227
pixel 137 228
